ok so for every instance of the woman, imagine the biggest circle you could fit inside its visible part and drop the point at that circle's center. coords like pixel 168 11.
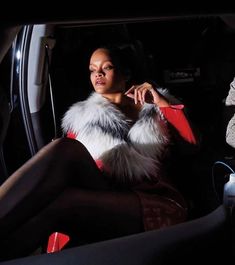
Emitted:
pixel 108 180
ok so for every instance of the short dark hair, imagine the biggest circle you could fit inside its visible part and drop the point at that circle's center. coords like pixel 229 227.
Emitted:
pixel 127 58
pixel 122 57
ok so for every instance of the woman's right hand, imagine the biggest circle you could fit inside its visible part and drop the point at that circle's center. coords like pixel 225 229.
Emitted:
pixel 145 93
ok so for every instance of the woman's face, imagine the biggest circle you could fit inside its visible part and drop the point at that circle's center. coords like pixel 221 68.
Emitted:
pixel 104 75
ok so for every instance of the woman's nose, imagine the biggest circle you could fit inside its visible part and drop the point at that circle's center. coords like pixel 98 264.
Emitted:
pixel 99 73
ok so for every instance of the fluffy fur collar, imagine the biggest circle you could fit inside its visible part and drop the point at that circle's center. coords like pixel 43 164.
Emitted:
pixel 129 152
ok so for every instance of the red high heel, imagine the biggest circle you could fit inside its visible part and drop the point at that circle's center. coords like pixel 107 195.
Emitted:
pixel 56 242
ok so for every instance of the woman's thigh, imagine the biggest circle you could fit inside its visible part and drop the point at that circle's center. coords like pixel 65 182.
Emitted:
pixel 57 166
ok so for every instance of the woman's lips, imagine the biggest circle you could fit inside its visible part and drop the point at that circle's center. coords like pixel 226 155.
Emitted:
pixel 99 83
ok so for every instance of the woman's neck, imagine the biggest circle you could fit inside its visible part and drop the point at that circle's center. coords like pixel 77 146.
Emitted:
pixel 129 108
pixel 116 98
pixel 125 104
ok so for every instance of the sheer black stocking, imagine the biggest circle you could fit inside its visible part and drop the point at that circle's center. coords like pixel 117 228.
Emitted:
pixel 61 189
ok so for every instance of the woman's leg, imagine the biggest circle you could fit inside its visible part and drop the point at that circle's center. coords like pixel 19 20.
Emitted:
pixel 38 182
pixel 83 214
pixel 98 214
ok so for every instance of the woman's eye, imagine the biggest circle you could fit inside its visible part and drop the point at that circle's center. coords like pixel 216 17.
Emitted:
pixel 109 67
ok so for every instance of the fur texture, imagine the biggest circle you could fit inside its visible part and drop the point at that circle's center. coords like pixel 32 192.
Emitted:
pixel 129 152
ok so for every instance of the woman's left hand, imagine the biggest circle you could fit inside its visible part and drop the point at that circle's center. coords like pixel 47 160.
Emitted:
pixel 145 93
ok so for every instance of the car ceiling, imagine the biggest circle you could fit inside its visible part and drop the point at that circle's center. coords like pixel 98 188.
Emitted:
pixel 72 12
pixel 10 25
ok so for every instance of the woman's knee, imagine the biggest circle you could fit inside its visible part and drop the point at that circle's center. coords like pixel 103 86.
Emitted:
pixel 63 147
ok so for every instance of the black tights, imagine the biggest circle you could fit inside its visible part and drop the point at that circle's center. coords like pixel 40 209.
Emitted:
pixel 61 189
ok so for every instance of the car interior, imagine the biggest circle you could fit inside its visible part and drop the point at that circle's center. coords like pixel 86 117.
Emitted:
pixel 193 57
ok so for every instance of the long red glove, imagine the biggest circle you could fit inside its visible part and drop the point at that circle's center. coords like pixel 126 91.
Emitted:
pixel 176 117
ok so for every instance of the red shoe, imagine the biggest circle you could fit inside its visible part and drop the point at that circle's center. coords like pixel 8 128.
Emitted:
pixel 56 242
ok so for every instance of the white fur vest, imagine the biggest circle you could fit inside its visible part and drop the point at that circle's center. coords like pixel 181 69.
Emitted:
pixel 130 151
